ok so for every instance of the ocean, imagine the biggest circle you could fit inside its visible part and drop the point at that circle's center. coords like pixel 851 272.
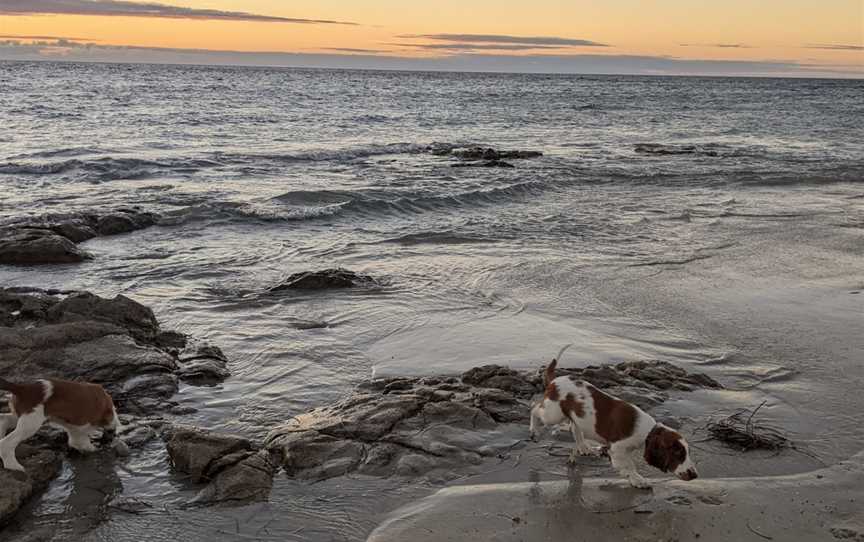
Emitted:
pixel 711 222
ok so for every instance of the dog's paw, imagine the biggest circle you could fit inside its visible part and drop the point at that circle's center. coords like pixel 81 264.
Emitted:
pixel 587 451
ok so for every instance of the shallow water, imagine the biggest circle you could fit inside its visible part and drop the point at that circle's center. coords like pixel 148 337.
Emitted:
pixel 738 256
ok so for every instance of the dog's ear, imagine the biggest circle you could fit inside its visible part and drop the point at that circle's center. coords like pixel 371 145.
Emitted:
pixel 663 449
pixel 658 449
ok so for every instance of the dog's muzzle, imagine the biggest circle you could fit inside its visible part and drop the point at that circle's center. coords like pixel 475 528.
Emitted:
pixel 689 474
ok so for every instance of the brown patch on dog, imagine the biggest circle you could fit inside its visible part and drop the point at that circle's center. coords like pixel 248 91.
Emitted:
pixel 571 407
pixel 552 392
pixel 615 418
pixel 76 403
pixel 80 403
pixel 25 397
pixel 663 449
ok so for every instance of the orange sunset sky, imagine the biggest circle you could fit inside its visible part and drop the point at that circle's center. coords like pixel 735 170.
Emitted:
pixel 789 37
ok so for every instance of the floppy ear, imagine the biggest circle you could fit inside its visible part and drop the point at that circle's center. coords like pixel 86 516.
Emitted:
pixel 656 451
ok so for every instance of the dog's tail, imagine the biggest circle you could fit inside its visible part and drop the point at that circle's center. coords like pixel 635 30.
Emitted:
pixel 549 373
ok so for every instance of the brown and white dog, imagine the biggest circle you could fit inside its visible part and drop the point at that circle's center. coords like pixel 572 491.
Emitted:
pixel 624 428
pixel 78 407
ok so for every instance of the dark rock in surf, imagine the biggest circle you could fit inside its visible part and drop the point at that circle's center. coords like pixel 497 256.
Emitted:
pixel 324 280
pixel 28 246
pixel 53 238
pixel 490 154
pixel 433 425
pixel 235 469
pixel 124 221
pixel 661 149
pixel 487 163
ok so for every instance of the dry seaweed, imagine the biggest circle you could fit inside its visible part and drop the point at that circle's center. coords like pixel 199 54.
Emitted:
pixel 741 431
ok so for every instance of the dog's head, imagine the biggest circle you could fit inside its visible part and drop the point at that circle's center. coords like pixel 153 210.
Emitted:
pixel 667 450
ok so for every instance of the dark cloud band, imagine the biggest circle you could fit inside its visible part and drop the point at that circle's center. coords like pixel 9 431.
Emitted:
pixel 117 8
pixel 505 39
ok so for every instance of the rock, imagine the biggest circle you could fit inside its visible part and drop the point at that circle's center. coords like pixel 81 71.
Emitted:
pixel 234 468
pixel 431 425
pixel 27 246
pixel 123 222
pixel 247 480
pixel 41 467
pixel 663 149
pixel 114 342
pixel 53 238
pixel 486 163
pixel 197 452
pixel 204 372
pixel 326 279
pixel 132 316
pixel 490 154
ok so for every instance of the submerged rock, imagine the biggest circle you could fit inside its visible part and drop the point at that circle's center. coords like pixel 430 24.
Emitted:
pixel 53 238
pixel 234 469
pixel 417 426
pixel 323 280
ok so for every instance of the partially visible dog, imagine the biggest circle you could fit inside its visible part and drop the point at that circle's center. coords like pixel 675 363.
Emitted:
pixel 624 428
pixel 78 407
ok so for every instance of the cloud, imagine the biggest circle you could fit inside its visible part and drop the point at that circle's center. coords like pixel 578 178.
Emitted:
pixel 119 8
pixel 835 47
pixel 595 64
pixel 720 45
pixel 499 38
pixel 354 50
pixel 19 37
pixel 473 46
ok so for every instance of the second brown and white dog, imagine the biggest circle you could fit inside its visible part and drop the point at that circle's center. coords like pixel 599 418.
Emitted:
pixel 626 429
pixel 78 407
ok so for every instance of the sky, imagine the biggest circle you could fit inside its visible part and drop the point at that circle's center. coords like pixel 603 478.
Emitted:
pixel 816 38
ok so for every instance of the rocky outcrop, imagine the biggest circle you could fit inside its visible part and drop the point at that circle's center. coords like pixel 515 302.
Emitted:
pixel 415 426
pixel 664 149
pixel 486 163
pixel 488 153
pixel 114 342
pixel 53 238
pixel 324 280
pixel 234 469
pixel 478 156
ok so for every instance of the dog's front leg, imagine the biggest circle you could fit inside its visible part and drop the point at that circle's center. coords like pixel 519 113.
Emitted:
pixel 622 460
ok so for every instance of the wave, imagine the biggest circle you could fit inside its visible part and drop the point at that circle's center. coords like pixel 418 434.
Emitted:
pixel 107 169
pixel 318 204
pixel 446 237
pixel 115 168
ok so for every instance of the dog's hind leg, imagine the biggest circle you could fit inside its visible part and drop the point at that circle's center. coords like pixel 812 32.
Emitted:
pixel 536 419
pixel 7 422
pixel 581 447
pixel 28 425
